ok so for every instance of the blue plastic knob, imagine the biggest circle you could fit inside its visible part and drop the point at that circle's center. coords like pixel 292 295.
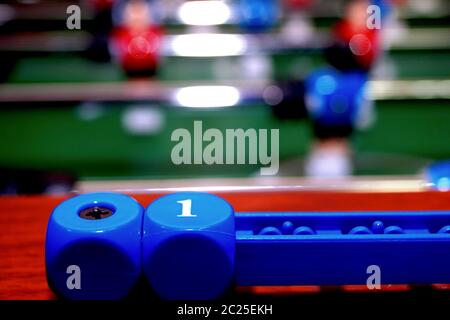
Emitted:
pixel 189 246
pixel 92 248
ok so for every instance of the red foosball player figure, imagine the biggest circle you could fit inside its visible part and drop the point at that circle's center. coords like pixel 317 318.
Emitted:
pixel 136 39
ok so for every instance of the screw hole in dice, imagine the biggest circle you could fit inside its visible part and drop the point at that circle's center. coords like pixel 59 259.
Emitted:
pixel 92 247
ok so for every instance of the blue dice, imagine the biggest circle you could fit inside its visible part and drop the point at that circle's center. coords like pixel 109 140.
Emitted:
pixel 334 98
pixel 93 246
pixel 189 246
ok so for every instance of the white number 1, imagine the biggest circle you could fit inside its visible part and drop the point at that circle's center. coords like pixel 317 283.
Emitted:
pixel 186 206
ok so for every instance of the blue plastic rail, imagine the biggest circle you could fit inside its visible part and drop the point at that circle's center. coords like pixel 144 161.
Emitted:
pixel 336 248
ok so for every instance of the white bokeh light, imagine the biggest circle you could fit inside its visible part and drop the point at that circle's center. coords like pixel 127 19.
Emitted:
pixel 204 13
pixel 207 96
pixel 208 45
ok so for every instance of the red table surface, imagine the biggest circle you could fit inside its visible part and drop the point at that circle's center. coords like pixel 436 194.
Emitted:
pixel 23 222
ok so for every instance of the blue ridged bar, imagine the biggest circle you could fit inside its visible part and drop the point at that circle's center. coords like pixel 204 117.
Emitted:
pixel 335 248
